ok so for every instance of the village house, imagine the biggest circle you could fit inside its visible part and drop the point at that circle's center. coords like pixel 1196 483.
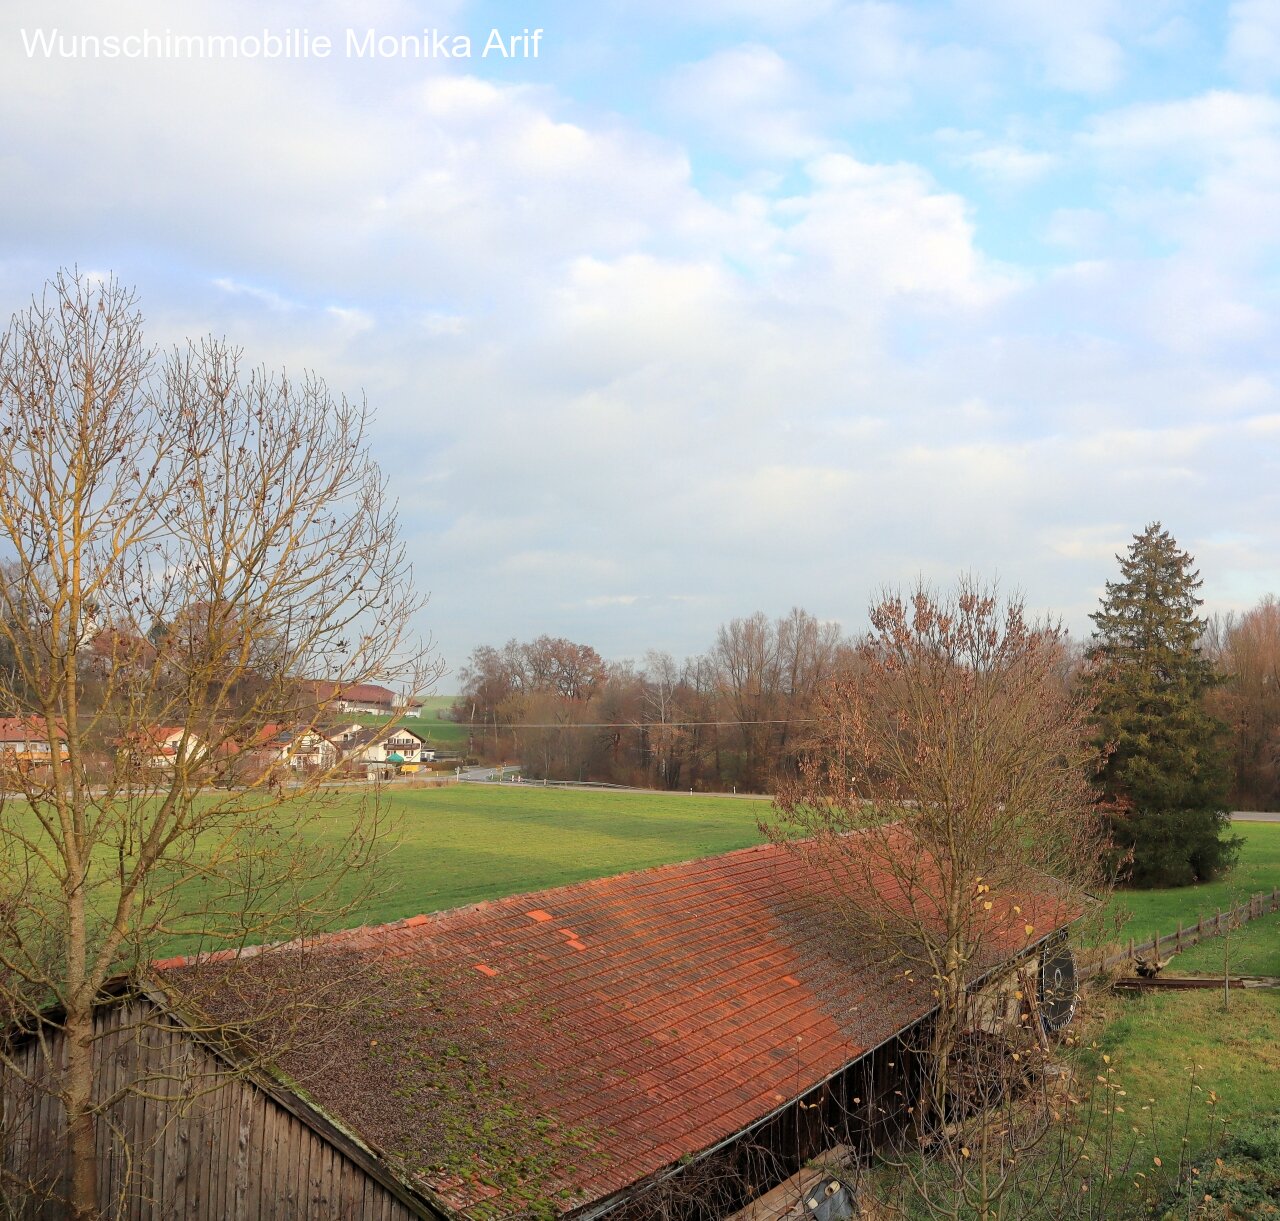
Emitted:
pixel 25 743
pixel 378 748
pixel 300 748
pixel 158 747
pixel 411 705
pixel 353 697
pixel 615 1048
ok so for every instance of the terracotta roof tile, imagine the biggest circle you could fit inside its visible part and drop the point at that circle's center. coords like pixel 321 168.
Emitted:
pixel 696 999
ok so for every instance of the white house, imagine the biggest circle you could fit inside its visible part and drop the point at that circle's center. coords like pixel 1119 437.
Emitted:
pixel 159 746
pixel 361 744
pixel 299 748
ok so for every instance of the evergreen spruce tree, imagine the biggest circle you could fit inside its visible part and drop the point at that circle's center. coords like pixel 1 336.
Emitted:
pixel 1166 777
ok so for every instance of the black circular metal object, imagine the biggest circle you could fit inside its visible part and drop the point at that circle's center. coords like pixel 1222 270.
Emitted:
pixel 1059 987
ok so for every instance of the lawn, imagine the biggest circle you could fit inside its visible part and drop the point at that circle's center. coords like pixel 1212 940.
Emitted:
pixel 1160 910
pixel 1189 1070
pixel 1253 949
pixel 430 725
pixel 1258 869
pixel 460 844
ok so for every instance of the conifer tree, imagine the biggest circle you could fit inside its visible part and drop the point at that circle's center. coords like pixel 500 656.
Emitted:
pixel 1165 779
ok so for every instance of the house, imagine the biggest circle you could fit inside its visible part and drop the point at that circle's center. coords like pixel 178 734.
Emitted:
pixel 352 697
pixel 301 748
pixel 376 747
pixel 25 742
pixel 606 1049
pixel 158 747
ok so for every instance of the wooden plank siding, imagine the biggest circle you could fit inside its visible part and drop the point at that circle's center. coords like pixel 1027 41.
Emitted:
pixel 194 1141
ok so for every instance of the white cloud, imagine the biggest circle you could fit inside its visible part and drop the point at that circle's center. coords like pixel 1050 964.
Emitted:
pixel 1075 46
pixel 613 399
pixel 1009 162
pixel 1253 40
pixel 749 97
pixel 1003 161
pixel 1219 125
pixel 272 300
pixel 886 229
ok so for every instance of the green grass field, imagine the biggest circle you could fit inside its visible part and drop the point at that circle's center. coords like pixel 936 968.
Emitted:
pixel 460 844
pixel 430 725
pixel 1159 910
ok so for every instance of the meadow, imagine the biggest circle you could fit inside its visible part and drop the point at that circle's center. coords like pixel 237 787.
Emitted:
pixel 1146 912
pixel 463 843
pixel 431 725
pixel 460 844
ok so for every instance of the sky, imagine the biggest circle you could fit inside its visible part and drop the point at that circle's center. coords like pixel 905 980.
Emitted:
pixel 710 306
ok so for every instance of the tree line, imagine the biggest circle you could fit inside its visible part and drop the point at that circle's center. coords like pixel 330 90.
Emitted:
pixel 735 715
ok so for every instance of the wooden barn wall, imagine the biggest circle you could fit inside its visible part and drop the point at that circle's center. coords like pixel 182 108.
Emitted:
pixel 192 1141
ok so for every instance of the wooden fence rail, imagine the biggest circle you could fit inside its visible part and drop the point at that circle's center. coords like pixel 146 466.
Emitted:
pixel 1186 936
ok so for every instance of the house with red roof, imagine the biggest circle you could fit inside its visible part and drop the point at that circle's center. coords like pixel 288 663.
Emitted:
pixel 604 1049
pixel 26 742
pixel 352 697
pixel 159 747
pixel 300 747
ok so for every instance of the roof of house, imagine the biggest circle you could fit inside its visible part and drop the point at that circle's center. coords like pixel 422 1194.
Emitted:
pixel 351 741
pixel 372 693
pixel 163 739
pixel 572 1042
pixel 26 729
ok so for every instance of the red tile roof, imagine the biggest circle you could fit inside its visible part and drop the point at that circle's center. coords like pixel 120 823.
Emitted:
pixel 27 729
pixel 370 693
pixel 652 1015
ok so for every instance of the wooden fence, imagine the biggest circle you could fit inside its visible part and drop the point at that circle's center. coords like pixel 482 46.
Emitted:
pixel 1186 936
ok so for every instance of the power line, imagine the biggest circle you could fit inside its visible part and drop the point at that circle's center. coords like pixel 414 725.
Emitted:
pixel 486 725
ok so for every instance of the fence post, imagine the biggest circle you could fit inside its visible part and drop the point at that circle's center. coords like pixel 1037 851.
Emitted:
pixel 1199 926
pixel 1217 927
pixel 1179 936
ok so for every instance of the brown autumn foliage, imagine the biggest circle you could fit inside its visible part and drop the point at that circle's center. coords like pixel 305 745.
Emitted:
pixel 956 732
pixel 728 719
pixel 1245 648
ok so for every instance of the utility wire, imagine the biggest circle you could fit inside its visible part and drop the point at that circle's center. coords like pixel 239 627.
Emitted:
pixel 482 726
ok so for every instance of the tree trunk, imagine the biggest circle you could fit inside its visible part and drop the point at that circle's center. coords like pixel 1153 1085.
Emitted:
pixel 82 1153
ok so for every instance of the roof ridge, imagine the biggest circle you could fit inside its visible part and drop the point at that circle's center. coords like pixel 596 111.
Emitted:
pixel 436 917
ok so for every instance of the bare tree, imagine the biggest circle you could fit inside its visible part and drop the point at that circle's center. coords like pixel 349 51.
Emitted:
pixel 1246 649
pixel 956 750
pixel 186 541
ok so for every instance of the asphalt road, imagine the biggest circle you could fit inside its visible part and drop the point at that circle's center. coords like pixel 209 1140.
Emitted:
pixel 1255 815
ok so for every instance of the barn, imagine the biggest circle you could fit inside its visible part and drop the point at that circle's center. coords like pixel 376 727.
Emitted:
pixel 670 1042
